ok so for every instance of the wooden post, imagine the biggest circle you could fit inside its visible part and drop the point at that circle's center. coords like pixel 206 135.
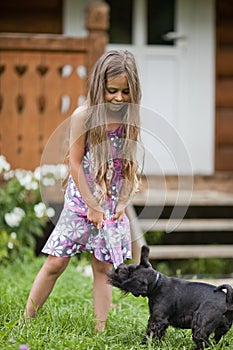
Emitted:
pixel 137 236
pixel 97 23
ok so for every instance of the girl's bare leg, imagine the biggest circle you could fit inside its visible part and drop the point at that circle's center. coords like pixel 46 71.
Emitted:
pixel 102 292
pixel 44 283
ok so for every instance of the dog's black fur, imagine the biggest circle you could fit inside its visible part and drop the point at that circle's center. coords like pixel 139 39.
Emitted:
pixel 202 307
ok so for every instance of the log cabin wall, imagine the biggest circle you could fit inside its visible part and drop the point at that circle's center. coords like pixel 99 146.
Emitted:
pixel 31 16
pixel 43 78
pixel 224 86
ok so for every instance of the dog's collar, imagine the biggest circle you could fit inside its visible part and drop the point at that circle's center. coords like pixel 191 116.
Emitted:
pixel 153 284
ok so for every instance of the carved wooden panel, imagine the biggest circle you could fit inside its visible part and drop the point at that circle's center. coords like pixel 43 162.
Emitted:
pixel 43 78
pixel 38 92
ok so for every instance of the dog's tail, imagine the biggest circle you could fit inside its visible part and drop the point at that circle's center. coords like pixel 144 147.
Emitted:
pixel 229 294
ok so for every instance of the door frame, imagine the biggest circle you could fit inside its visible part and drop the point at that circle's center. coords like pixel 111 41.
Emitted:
pixel 195 88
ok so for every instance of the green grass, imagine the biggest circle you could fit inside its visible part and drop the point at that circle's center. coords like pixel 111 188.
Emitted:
pixel 66 320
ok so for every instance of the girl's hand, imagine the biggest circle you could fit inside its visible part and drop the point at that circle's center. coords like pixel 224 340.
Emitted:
pixel 119 215
pixel 96 217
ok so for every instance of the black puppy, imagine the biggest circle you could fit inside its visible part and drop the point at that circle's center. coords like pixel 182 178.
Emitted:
pixel 202 307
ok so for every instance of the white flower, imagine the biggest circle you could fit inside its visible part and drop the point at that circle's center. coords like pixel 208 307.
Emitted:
pixel 4 165
pixel 8 175
pixel 60 235
pixel 40 209
pixel 50 212
pixel 45 169
pixel 20 174
pixel 54 247
pixel 61 230
pixel 57 171
pixel 13 235
pixel 63 170
pixel 10 245
pixel 26 179
pixel 33 186
pixel 72 249
pixel 75 228
pixel 48 181
pixel 48 174
pixel 14 218
pixel 37 173
pixel 19 211
pixel 88 160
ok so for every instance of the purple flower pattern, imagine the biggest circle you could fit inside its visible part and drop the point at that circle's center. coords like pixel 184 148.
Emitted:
pixel 74 233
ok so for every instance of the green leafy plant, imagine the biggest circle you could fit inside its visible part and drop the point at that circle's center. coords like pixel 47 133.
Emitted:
pixel 23 214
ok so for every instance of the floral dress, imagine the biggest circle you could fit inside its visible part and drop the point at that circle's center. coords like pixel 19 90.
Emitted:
pixel 73 233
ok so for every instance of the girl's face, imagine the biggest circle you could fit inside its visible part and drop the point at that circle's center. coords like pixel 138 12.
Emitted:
pixel 117 92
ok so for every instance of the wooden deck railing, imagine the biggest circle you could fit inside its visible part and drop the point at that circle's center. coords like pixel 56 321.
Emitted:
pixel 43 78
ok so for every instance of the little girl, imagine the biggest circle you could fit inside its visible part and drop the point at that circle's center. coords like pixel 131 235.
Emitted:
pixel 102 178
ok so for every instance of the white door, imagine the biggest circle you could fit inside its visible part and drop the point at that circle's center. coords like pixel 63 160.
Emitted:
pixel 178 88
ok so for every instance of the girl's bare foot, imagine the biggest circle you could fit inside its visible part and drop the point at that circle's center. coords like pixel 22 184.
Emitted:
pixel 113 306
pixel 100 326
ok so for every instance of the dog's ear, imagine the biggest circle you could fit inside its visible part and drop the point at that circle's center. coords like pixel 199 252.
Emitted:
pixel 131 268
pixel 117 269
pixel 145 256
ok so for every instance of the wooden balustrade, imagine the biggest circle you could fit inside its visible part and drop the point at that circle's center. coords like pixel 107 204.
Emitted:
pixel 43 78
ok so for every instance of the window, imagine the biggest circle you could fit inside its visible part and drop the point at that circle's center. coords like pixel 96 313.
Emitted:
pixel 160 21
pixel 120 21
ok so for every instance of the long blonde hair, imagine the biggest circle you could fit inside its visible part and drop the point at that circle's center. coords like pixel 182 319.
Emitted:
pixel 111 64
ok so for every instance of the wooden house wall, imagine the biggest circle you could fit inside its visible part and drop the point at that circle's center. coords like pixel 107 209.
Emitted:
pixel 224 85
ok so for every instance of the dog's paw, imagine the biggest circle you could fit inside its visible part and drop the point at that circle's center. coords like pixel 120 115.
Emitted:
pixel 145 340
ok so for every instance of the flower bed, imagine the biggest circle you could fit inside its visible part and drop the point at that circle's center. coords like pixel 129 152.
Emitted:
pixel 23 213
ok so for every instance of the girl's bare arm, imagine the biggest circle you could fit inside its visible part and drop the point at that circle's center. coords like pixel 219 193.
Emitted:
pixel 123 201
pixel 77 146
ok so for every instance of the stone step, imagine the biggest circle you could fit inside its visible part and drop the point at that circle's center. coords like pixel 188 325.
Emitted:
pixel 190 251
pixel 140 226
pixel 192 225
pixel 174 197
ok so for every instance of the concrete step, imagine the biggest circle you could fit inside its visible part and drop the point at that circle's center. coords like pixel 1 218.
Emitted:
pixel 192 225
pixel 190 251
pixel 140 226
pixel 182 197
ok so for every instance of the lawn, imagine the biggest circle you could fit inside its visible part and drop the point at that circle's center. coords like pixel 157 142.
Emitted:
pixel 66 321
